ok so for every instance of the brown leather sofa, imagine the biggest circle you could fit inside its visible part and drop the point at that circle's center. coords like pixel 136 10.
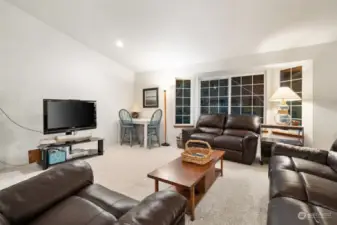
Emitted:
pixel 303 186
pixel 235 134
pixel 66 195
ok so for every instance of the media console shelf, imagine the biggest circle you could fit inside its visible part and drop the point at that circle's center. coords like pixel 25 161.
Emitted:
pixel 45 148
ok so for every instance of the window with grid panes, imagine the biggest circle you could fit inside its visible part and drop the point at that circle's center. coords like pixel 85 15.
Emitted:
pixel 292 78
pixel 247 95
pixel 183 102
pixel 214 96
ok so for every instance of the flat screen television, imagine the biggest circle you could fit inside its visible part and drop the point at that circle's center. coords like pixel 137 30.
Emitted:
pixel 61 116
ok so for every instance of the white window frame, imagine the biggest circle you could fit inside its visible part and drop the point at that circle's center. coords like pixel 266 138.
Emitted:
pixel 229 77
pixel 191 102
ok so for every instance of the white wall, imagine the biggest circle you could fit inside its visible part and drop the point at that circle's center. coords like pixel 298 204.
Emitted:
pixel 320 86
pixel 36 62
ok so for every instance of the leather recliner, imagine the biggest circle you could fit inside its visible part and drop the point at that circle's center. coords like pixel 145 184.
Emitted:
pixel 303 186
pixel 67 195
pixel 235 134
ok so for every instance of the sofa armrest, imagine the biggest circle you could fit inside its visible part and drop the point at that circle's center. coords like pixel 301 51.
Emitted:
pixel 249 148
pixel 164 207
pixel 186 134
pixel 312 154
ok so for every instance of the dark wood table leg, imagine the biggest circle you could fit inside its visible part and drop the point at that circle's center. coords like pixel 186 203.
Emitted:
pixel 221 163
pixel 192 202
pixel 156 185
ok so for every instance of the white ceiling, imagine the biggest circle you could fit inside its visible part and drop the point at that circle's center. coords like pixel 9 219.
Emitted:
pixel 160 34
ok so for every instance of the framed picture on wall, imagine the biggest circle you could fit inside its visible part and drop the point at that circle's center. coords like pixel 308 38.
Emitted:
pixel 150 98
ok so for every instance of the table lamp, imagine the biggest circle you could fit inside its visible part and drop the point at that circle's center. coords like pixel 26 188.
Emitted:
pixel 135 111
pixel 282 95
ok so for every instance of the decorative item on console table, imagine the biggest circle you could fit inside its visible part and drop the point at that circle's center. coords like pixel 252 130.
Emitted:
pixel 271 134
pixel 135 111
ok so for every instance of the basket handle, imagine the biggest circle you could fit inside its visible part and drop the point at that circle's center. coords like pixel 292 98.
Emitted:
pixel 198 141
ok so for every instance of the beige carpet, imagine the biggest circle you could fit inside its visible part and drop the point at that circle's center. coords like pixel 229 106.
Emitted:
pixel 239 197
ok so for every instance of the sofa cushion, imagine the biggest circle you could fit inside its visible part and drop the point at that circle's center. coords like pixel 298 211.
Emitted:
pixel 213 124
pixel 321 192
pixel 238 133
pixel 317 169
pixel 204 137
pixel 290 211
pixel 112 202
pixel 286 183
pixel 332 160
pixel 228 142
pixel 280 162
pixel 75 211
pixel 243 122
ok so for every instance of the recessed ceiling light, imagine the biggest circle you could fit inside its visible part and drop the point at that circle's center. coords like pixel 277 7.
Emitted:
pixel 119 44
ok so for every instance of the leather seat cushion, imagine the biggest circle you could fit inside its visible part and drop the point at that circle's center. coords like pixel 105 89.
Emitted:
pixel 314 168
pixel 279 162
pixel 321 192
pixel 228 142
pixel 75 211
pixel 286 183
pixel 112 202
pixel 204 137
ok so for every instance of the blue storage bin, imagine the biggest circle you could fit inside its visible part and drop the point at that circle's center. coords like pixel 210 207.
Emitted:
pixel 56 156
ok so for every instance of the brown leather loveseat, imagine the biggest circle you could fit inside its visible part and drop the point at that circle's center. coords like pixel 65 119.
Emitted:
pixel 66 195
pixel 303 185
pixel 235 134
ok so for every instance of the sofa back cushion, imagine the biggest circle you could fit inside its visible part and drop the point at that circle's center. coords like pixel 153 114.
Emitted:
pixel 212 124
pixel 332 160
pixel 28 199
pixel 243 122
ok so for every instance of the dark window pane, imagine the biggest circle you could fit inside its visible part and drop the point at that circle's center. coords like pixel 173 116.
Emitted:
pixel 214 83
pixel 247 80
pixel 296 112
pixel 179 119
pixel 258 89
pixel 246 110
pixel 214 110
pixel 179 92
pixel 223 101
pixel 285 84
pixel 187 101
pixel 186 119
pixel 187 84
pixel 296 75
pixel 236 110
pixel 236 91
pixel 236 81
pixel 236 101
pixel 247 101
pixel 214 91
pixel 187 92
pixel 223 91
pixel 214 101
pixel 204 92
pixel 258 111
pixel 258 79
pixel 179 111
pixel 296 103
pixel 285 75
pixel 258 101
pixel 204 102
pixel 179 101
pixel 247 90
pixel 204 110
pixel 179 83
pixel 299 94
pixel 186 111
pixel 223 82
pixel 204 83
pixel 223 110
pixel 297 85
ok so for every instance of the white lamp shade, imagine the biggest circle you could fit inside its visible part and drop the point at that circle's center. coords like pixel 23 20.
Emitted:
pixel 284 93
pixel 135 108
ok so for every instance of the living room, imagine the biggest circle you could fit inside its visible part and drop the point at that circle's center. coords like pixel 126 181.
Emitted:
pixel 110 53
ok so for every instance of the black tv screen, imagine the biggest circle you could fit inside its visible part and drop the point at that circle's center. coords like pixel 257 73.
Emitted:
pixel 68 115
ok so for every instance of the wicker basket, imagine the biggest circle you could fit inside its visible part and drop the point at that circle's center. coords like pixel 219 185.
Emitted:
pixel 205 153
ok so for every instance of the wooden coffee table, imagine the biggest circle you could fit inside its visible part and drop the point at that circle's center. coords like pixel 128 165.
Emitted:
pixel 190 180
